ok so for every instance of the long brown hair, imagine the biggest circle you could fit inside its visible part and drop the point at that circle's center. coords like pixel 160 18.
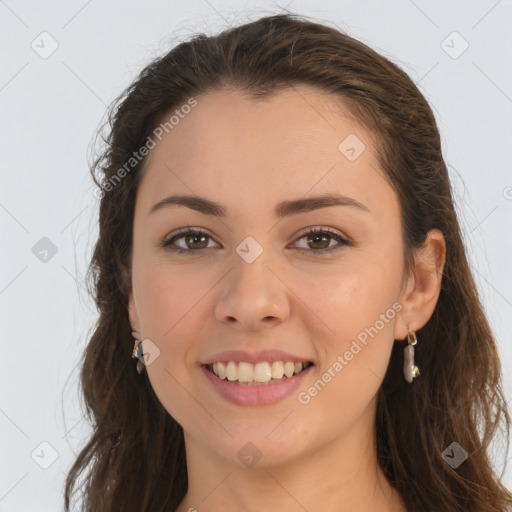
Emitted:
pixel 135 457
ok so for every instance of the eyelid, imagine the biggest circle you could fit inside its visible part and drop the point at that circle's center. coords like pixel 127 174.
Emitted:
pixel 326 229
pixel 342 239
pixel 185 231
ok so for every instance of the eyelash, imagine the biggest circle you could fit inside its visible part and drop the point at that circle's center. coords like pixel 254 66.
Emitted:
pixel 312 232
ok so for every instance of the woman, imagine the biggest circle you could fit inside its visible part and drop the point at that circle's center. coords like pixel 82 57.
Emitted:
pixel 277 233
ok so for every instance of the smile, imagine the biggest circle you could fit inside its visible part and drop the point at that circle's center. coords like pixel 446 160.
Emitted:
pixel 260 384
pixel 259 373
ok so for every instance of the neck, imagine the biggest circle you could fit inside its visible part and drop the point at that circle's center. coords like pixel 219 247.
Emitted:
pixel 339 476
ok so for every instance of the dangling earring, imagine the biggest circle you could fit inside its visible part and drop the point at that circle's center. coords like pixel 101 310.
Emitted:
pixel 137 353
pixel 410 369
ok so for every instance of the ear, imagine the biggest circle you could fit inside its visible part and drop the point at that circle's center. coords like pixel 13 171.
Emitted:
pixel 133 315
pixel 421 292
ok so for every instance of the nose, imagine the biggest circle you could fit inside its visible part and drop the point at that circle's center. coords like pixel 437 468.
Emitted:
pixel 253 296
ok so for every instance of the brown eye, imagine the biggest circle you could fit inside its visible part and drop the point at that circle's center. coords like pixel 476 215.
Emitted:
pixel 194 241
pixel 318 241
pixel 196 238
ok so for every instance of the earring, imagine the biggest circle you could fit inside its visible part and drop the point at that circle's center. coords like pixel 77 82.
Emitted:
pixel 410 369
pixel 137 353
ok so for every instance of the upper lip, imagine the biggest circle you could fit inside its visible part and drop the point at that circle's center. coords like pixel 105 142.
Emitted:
pixel 255 357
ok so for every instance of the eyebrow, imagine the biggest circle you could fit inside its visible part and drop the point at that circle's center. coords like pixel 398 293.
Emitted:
pixel 282 209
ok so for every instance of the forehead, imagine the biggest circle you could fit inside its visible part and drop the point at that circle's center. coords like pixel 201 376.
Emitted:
pixel 282 146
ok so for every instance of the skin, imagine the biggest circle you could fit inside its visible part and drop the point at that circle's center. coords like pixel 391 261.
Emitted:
pixel 249 155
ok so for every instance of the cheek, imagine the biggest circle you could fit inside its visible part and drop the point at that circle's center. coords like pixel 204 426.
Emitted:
pixel 351 296
pixel 167 305
pixel 170 296
pixel 357 308
pixel 354 360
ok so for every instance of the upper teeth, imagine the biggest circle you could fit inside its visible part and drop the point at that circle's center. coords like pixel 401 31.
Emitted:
pixel 260 372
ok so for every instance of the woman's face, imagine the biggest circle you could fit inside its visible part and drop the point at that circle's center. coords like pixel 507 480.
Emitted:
pixel 255 281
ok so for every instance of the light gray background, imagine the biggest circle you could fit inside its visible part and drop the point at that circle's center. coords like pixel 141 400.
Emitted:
pixel 51 107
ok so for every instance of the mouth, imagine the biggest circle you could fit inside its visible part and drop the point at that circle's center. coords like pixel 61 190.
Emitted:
pixel 268 383
pixel 263 373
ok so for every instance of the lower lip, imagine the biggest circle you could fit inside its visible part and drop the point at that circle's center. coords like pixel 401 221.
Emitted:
pixel 259 394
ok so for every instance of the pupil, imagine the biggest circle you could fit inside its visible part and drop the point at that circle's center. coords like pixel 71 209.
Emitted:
pixel 314 238
pixel 193 237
